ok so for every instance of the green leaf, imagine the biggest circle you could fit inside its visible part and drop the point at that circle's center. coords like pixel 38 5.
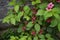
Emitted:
pixel 56 10
pixel 23 38
pixel 26 9
pixel 33 2
pixel 27 17
pixel 16 8
pixel 47 14
pixel 6 20
pixel 29 25
pixel 20 28
pixel 20 14
pixel 12 3
pixel 50 39
pixel 29 38
pixel 16 37
pixel 53 23
pixel 38 1
pixel 40 12
pixel 35 38
pixel 43 6
pixel 12 38
pixel 49 30
pixel 41 36
pixel 56 16
pixel 59 26
pixel 13 21
pixel 40 20
pixel 37 27
pixel 13 0
pixel 48 36
pixel 42 39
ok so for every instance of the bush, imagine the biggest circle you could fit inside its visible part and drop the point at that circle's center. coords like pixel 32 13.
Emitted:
pixel 35 21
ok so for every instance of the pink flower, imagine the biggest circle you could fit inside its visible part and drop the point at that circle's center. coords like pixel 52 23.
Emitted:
pixel 48 9
pixel 41 31
pixel 58 1
pixel 33 33
pixel 23 28
pixel 48 20
pixel 50 5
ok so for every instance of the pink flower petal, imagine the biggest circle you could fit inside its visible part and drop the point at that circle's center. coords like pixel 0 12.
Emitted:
pixel 58 1
pixel 48 9
pixel 50 5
